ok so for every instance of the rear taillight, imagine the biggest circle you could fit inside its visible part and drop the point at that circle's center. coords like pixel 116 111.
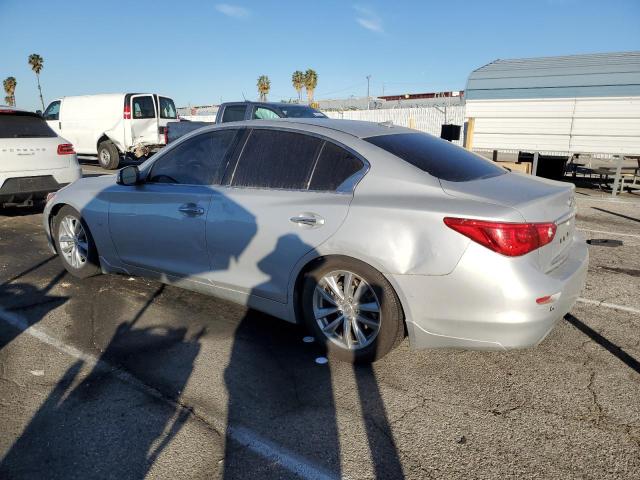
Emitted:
pixel 510 239
pixel 65 149
pixel 166 135
pixel 126 114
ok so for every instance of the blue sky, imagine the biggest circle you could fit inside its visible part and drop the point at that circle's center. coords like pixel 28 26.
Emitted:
pixel 202 52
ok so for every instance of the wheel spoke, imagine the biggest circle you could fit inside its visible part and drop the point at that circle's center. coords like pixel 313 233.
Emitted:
pixel 326 296
pixel 333 285
pixel 362 339
pixel 66 239
pixel 369 307
pixel 362 287
pixel 347 285
pixel 367 321
pixel 324 312
pixel 331 328
pixel 346 331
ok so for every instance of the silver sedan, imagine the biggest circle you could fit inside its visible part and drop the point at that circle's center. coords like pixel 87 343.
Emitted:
pixel 364 232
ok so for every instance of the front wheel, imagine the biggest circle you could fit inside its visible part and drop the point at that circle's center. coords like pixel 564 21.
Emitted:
pixel 352 309
pixel 108 155
pixel 74 243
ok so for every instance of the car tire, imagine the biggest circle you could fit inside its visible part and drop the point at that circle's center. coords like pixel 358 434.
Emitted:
pixel 108 155
pixel 375 341
pixel 74 243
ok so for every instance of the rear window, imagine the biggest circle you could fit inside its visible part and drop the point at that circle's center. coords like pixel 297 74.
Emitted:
pixel 18 125
pixel 167 108
pixel 437 157
pixel 300 111
pixel 233 113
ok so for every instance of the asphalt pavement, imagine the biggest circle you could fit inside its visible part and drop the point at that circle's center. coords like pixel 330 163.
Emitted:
pixel 118 377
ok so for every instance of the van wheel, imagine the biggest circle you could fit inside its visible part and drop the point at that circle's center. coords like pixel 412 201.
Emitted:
pixel 108 155
pixel 352 310
pixel 74 243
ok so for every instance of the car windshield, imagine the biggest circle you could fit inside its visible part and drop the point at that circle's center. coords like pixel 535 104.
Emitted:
pixel 300 111
pixel 437 157
pixel 23 125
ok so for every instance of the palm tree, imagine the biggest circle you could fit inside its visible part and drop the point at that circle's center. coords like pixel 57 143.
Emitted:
pixel 264 85
pixel 9 85
pixel 37 62
pixel 310 83
pixel 297 79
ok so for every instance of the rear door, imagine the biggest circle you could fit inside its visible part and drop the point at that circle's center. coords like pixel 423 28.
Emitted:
pixel 52 116
pixel 283 201
pixel 144 120
pixel 27 143
pixel 166 113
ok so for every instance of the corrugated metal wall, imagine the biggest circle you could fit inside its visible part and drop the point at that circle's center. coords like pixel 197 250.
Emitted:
pixel 595 125
pixel 428 119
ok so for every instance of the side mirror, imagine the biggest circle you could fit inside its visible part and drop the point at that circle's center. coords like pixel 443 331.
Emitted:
pixel 128 176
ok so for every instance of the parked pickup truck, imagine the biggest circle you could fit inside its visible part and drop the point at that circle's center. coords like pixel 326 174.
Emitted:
pixel 238 111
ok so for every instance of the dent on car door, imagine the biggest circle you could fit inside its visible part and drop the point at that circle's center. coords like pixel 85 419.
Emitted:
pixel 284 188
pixel 159 225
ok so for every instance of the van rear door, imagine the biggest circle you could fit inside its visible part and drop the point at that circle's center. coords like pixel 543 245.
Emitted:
pixel 166 113
pixel 144 120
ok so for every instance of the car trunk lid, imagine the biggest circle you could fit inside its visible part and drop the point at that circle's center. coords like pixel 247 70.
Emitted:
pixel 536 199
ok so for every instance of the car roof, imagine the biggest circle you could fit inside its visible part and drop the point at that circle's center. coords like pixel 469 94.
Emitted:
pixel 272 104
pixel 356 128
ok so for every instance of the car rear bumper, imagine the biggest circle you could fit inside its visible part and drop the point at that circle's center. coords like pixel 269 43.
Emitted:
pixel 489 302
pixel 36 184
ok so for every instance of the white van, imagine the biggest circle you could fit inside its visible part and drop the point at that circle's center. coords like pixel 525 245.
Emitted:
pixel 112 125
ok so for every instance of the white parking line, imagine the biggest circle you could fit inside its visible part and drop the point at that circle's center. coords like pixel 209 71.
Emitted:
pixel 609 305
pixel 244 436
pixel 609 233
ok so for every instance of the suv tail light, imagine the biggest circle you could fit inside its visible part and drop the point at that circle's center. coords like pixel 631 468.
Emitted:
pixel 510 239
pixel 126 113
pixel 65 149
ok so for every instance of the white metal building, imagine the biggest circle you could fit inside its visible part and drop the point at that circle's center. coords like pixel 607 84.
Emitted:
pixel 557 105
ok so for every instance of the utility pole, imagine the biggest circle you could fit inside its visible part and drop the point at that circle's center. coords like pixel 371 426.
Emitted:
pixel 368 97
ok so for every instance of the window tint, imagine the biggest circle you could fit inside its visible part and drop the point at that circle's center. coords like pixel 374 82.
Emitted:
pixel 20 125
pixel 53 111
pixel 334 166
pixel 300 111
pixel 201 160
pixel 437 157
pixel 143 108
pixel 167 108
pixel 233 113
pixel 262 113
pixel 276 159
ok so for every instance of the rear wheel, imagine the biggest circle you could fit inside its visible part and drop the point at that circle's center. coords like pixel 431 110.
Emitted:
pixel 108 155
pixel 74 243
pixel 352 309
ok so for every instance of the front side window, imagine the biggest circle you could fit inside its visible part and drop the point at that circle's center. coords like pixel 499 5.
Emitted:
pixel 167 108
pixel 276 159
pixel 53 111
pixel 334 166
pixel 233 113
pixel 262 113
pixel 142 107
pixel 437 157
pixel 201 160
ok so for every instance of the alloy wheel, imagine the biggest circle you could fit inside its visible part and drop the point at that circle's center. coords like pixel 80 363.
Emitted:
pixel 73 241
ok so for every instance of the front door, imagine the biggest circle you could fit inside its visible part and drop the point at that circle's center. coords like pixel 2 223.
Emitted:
pixel 160 224
pixel 144 120
pixel 282 202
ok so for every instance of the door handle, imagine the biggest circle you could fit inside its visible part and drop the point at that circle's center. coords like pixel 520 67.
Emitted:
pixel 191 209
pixel 309 220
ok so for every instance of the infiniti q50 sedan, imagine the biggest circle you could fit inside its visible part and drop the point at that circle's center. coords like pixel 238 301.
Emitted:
pixel 364 232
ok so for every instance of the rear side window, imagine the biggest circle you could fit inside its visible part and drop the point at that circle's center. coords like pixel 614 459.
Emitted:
pixel 142 107
pixel 17 125
pixel 276 159
pixel 437 157
pixel 335 165
pixel 233 113
pixel 201 160
pixel 167 108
